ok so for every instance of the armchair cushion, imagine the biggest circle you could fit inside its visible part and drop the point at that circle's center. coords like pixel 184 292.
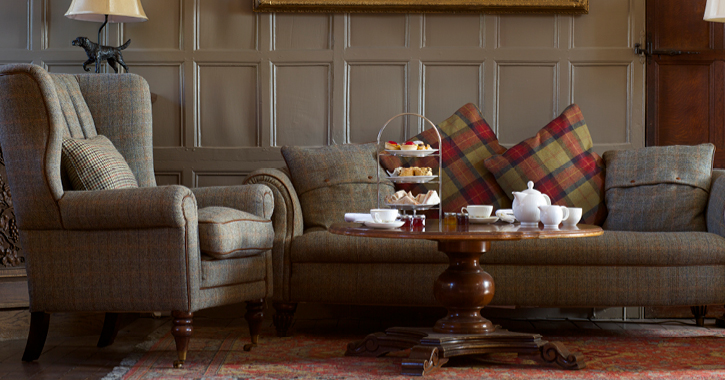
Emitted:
pixel 95 164
pixel 227 233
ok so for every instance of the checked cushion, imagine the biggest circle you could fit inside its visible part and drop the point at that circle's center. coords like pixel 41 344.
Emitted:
pixel 467 141
pixel 95 164
pixel 561 163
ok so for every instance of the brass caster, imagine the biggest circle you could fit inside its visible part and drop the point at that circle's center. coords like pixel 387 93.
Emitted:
pixel 178 363
pixel 248 347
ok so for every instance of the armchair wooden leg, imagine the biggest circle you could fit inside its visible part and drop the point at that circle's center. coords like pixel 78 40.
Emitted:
pixel 182 334
pixel 699 312
pixel 39 322
pixel 110 330
pixel 254 317
pixel 283 317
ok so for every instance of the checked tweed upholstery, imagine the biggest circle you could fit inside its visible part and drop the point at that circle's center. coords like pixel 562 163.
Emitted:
pixel 95 164
pixel 561 163
pixel 334 178
pixel 225 233
pixel 467 141
pixel 123 250
pixel 659 188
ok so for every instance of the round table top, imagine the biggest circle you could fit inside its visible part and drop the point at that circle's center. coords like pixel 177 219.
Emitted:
pixel 496 231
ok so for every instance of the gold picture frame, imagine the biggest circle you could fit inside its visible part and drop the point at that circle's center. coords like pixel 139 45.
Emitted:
pixel 425 6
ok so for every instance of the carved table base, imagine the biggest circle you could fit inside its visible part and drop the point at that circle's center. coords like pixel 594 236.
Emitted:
pixel 431 350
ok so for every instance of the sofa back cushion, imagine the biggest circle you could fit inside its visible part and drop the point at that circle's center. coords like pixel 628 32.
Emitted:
pixel 658 188
pixel 333 180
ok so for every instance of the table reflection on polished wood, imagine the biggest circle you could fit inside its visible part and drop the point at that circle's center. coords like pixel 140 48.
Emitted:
pixel 464 289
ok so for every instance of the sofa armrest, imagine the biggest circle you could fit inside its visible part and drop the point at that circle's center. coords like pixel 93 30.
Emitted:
pixel 716 204
pixel 287 222
pixel 254 199
pixel 145 207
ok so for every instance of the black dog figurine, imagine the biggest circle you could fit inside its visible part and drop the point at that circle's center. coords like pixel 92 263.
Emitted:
pixel 98 53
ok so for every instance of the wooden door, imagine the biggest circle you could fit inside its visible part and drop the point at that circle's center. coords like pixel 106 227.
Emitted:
pixel 685 76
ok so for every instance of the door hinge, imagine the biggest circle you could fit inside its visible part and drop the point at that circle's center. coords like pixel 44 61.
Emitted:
pixel 649 51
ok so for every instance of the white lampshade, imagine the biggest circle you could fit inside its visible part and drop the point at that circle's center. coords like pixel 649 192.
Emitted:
pixel 96 10
pixel 715 11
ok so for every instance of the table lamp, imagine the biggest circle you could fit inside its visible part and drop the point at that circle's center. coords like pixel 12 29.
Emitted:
pixel 104 11
pixel 715 11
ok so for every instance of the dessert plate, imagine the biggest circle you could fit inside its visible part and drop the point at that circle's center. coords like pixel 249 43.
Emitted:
pixel 412 153
pixel 412 179
pixel 395 224
pixel 490 219
pixel 411 207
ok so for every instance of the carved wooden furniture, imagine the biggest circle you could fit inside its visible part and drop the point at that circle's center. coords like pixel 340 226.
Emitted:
pixel 124 250
pixel 464 288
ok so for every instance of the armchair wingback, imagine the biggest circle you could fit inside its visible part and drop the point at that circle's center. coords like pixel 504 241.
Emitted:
pixel 126 250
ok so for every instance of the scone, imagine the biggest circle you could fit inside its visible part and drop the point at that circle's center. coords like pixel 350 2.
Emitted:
pixel 407 172
pixel 409 146
pixel 392 145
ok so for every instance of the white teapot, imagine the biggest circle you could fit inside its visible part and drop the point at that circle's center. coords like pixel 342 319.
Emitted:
pixel 526 205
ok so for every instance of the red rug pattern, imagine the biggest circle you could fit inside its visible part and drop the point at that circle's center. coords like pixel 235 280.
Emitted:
pixel 216 353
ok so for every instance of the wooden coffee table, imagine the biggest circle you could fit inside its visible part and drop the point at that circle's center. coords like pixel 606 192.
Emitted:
pixel 464 289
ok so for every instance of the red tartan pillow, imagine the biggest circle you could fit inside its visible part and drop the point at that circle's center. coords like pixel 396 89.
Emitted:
pixel 467 141
pixel 562 164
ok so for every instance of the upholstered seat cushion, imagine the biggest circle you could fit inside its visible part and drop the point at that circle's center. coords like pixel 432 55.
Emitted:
pixel 239 270
pixel 226 233
pixel 614 248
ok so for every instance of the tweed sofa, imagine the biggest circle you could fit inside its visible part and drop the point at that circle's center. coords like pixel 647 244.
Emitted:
pixel 619 268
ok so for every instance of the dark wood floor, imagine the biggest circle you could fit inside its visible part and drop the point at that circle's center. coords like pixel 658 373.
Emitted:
pixel 70 351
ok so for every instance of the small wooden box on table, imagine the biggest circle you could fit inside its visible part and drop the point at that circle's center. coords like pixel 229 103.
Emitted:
pixel 464 289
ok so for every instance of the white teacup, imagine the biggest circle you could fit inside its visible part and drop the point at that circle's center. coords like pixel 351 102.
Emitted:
pixel 575 215
pixel 551 216
pixel 478 211
pixel 383 215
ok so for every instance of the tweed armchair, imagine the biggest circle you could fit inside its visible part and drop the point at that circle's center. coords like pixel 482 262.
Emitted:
pixel 128 250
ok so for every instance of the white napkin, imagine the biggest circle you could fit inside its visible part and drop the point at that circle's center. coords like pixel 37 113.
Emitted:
pixel 352 217
pixel 506 214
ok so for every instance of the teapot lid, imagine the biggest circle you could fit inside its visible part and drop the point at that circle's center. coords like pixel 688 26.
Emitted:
pixel 531 190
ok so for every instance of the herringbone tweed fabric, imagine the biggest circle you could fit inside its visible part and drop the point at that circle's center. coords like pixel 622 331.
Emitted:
pixel 286 220
pixel 658 188
pixel 120 250
pixel 226 233
pixel 716 205
pixel 95 164
pixel 335 179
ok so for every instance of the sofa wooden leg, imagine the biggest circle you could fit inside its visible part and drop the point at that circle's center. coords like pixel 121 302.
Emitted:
pixel 39 322
pixel 283 317
pixel 110 330
pixel 699 312
pixel 181 331
pixel 254 317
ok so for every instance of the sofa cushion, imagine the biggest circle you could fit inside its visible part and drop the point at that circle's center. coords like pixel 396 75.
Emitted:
pixel 333 180
pixel 227 233
pixel 233 271
pixel 662 188
pixel 613 248
pixel 95 164
pixel 561 163
pixel 467 141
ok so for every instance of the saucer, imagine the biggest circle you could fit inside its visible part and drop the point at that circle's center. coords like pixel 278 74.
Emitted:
pixel 395 224
pixel 490 219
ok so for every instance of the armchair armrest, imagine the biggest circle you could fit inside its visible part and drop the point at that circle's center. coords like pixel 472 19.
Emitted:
pixel 254 199
pixel 287 222
pixel 716 204
pixel 145 207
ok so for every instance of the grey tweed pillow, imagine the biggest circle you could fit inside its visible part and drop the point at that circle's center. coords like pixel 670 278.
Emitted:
pixel 95 164
pixel 662 188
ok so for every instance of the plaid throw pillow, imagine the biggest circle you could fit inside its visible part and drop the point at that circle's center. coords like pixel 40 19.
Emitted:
pixel 467 141
pixel 560 161
pixel 95 164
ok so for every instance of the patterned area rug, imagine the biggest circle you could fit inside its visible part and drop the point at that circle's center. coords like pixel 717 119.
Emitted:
pixel 216 353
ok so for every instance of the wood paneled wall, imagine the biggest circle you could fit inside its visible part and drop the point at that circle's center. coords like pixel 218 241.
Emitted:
pixel 234 86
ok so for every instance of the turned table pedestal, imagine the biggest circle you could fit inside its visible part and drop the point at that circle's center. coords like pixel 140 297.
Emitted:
pixel 464 289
